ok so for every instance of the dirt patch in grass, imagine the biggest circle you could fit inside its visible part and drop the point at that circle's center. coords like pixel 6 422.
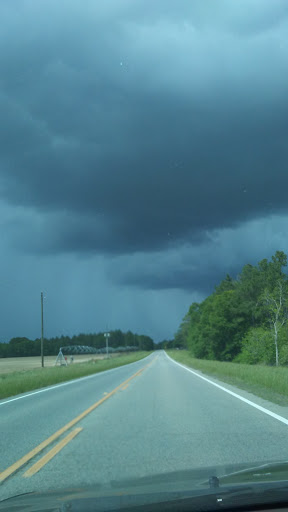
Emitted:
pixel 18 364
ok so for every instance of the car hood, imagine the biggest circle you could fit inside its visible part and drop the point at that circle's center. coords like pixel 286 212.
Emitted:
pixel 202 488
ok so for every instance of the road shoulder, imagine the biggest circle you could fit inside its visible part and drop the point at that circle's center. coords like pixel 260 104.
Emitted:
pixel 247 395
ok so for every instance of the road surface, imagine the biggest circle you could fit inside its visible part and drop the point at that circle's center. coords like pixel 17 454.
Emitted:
pixel 149 417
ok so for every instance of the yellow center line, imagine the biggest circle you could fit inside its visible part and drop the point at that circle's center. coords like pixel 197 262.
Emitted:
pixel 56 449
pixel 125 387
pixel 26 458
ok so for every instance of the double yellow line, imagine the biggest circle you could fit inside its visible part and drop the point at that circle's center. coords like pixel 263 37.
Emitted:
pixel 56 449
pixel 38 465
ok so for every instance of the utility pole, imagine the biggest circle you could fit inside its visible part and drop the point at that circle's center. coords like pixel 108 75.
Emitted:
pixel 42 333
pixel 106 335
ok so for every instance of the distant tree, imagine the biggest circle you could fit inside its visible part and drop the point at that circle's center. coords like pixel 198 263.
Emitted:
pixel 146 343
pixel 21 346
pixel 129 339
pixel 164 344
pixel 181 336
pixel 117 339
pixel 4 350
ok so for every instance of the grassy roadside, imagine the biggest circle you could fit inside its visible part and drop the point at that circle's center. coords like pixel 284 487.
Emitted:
pixel 14 383
pixel 267 382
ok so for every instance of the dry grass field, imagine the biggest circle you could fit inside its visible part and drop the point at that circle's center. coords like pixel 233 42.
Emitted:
pixel 18 364
pixel 18 375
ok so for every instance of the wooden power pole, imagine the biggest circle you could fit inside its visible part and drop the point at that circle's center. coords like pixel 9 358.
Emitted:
pixel 42 333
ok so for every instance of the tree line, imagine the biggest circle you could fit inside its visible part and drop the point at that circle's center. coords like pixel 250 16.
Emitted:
pixel 244 319
pixel 20 347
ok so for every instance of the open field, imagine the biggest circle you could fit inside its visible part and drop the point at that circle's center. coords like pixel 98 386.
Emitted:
pixel 16 382
pixel 268 382
pixel 18 364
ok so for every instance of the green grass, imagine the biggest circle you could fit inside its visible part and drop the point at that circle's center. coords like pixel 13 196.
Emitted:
pixel 267 382
pixel 14 383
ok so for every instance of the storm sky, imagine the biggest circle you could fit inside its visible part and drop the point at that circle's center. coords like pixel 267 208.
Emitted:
pixel 143 155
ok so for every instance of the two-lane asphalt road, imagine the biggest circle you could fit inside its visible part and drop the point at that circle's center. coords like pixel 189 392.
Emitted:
pixel 149 417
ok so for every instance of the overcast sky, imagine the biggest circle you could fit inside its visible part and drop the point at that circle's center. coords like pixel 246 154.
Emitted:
pixel 143 155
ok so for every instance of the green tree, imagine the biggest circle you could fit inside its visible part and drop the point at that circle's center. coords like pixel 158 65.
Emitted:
pixel 257 347
pixel 242 309
pixel 226 285
pixel 276 303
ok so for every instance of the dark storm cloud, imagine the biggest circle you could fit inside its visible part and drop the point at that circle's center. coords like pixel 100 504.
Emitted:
pixel 201 267
pixel 135 126
pixel 203 279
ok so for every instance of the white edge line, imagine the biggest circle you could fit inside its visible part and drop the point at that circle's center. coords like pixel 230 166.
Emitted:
pixel 256 406
pixel 49 388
